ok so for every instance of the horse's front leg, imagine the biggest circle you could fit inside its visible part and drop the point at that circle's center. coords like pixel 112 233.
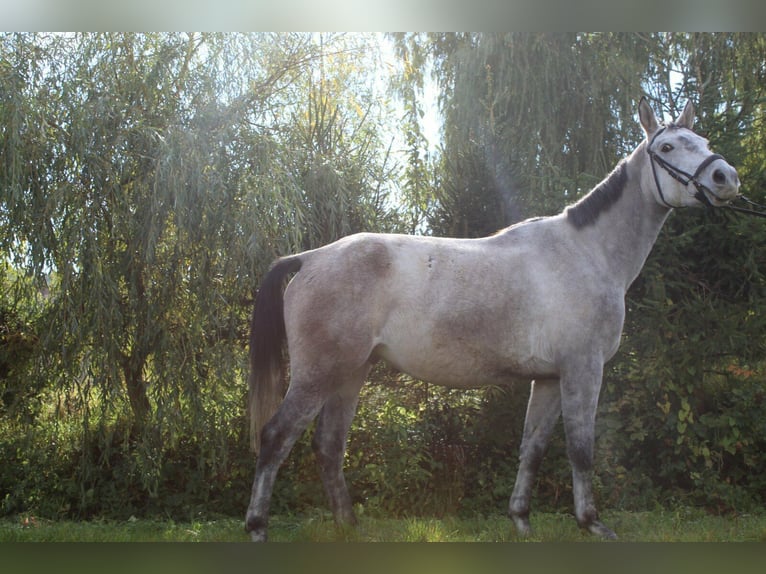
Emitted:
pixel 579 400
pixel 543 411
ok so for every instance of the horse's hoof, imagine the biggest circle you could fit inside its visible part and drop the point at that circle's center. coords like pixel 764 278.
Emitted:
pixel 257 528
pixel 601 531
pixel 522 525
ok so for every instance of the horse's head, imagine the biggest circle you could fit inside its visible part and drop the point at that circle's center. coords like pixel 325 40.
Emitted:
pixel 684 172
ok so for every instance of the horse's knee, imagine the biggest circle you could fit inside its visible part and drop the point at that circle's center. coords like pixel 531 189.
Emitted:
pixel 270 437
pixel 277 438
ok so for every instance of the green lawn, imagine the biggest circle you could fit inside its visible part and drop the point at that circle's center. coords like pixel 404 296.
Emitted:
pixel 685 525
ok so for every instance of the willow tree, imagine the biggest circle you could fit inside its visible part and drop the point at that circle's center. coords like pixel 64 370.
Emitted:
pixel 148 179
pixel 121 184
pixel 531 121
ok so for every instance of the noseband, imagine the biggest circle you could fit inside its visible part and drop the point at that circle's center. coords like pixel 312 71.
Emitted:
pixel 680 175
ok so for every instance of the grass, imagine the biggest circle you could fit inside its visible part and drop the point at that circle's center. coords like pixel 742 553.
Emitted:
pixel 684 525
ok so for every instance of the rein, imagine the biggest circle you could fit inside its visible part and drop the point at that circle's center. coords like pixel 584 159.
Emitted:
pixel 686 178
pixel 745 210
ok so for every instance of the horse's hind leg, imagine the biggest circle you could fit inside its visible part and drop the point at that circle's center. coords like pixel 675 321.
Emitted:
pixel 296 412
pixel 330 446
pixel 543 411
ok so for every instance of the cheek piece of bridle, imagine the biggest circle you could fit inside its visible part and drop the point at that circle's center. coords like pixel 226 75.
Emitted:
pixel 686 178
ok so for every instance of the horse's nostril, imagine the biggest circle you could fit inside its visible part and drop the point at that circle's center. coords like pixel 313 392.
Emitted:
pixel 719 177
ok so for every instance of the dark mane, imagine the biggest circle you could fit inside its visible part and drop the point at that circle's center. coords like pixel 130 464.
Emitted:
pixel 600 199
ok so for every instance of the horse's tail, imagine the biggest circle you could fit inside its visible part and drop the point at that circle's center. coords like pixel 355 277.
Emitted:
pixel 267 340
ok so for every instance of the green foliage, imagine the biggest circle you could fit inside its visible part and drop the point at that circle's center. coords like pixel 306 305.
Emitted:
pixel 147 180
pixel 532 121
pixel 684 401
pixel 19 342
pixel 55 473
pixel 389 461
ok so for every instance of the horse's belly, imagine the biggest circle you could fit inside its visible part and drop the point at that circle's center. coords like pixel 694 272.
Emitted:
pixel 464 366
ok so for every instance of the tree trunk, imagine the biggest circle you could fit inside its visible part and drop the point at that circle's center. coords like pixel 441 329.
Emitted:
pixel 133 368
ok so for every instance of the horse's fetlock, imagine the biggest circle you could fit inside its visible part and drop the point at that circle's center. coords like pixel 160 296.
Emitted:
pixel 586 518
pixel 256 524
pixel 518 512
pixel 518 508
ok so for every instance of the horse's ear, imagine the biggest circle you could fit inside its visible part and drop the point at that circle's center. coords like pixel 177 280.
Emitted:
pixel 686 119
pixel 647 117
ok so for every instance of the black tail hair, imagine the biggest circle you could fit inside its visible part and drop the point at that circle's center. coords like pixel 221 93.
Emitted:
pixel 267 341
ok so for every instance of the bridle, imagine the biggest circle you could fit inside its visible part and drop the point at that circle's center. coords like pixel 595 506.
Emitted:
pixel 686 178
pixel 680 175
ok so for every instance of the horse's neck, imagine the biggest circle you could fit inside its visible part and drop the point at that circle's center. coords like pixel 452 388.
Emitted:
pixel 628 231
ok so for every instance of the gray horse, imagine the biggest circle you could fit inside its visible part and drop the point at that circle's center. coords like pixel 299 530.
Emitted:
pixel 543 300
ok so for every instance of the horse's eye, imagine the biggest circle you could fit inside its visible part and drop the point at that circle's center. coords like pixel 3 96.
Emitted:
pixel 666 148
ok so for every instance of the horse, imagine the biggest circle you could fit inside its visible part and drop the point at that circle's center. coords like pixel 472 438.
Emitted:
pixel 542 300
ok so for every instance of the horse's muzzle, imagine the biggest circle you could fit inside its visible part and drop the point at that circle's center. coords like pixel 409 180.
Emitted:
pixel 721 183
